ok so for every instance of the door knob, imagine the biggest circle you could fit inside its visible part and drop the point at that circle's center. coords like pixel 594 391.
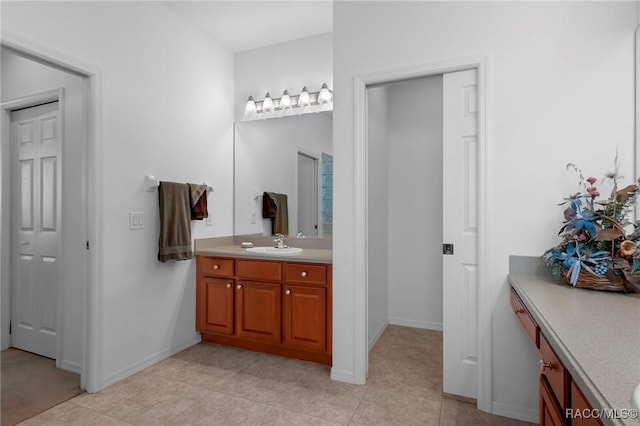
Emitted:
pixel 216 267
pixel 303 274
pixel 228 285
pixel 239 286
pixel 287 292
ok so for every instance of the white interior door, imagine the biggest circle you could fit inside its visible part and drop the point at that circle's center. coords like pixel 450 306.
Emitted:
pixel 460 228
pixel 36 217
pixel 307 194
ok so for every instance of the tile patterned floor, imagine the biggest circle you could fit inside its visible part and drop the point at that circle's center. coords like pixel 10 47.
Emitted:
pixel 210 384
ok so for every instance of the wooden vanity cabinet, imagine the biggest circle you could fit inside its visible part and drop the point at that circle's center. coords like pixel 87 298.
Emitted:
pixel 558 393
pixel 266 305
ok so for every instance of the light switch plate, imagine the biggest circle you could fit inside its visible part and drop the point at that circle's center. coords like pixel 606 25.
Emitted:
pixel 136 220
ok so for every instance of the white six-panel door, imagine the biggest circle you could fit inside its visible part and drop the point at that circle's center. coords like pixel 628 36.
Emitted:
pixel 35 204
pixel 460 228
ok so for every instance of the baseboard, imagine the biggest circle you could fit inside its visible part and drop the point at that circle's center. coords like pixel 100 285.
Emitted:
pixel 376 336
pixel 513 412
pixel 344 376
pixel 71 366
pixel 149 361
pixel 428 325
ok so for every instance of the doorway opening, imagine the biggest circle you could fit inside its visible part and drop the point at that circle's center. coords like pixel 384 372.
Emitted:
pixel 68 197
pixel 308 206
pixel 372 174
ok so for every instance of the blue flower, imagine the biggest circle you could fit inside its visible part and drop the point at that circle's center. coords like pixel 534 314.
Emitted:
pixel 583 220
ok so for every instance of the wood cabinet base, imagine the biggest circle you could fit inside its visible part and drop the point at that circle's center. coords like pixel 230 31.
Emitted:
pixel 267 348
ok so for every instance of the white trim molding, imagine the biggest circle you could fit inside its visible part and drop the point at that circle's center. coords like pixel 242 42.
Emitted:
pixel 91 370
pixel 485 298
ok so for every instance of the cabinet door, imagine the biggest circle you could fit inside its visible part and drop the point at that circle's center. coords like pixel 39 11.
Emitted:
pixel 555 373
pixel 550 414
pixel 259 309
pixel 581 409
pixel 216 305
pixel 305 317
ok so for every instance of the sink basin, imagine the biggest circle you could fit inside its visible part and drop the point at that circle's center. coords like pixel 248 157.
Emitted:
pixel 635 399
pixel 274 250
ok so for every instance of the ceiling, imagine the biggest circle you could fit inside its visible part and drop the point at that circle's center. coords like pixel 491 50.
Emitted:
pixel 244 25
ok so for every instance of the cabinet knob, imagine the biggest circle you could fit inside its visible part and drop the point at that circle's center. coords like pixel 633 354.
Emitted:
pixel 216 267
pixel 287 292
pixel 303 274
pixel 519 311
pixel 239 286
pixel 228 285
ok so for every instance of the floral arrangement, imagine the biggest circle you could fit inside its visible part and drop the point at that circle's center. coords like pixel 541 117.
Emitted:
pixel 596 250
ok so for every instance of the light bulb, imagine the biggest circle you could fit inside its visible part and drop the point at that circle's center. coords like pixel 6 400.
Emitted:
pixel 267 103
pixel 325 96
pixel 285 101
pixel 303 99
pixel 250 108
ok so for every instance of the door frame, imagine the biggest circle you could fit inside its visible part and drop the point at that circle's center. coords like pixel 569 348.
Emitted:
pixel 318 172
pixel 8 107
pixel 485 298
pixel 91 370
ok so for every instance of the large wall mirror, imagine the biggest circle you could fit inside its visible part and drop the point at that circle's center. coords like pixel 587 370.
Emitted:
pixel 289 156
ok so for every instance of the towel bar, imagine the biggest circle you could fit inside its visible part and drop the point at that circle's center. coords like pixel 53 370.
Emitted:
pixel 152 183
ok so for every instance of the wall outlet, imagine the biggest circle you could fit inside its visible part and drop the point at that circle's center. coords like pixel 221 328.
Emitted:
pixel 136 220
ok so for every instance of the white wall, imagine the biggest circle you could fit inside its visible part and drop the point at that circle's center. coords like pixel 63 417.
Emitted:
pixel 415 203
pixel 378 212
pixel 291 65
pixel 21 78
pixel 167 93
pixel 560 89
pixel 266 159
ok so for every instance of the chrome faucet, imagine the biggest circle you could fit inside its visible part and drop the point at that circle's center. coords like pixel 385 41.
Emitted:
pixel 279 240
pixel 300 234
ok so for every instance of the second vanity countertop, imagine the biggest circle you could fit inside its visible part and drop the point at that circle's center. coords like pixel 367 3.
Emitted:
pixel 595 334
pixel 313 251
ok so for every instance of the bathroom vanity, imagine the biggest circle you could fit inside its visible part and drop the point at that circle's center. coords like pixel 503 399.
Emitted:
pixel 275 303
pixel 588 346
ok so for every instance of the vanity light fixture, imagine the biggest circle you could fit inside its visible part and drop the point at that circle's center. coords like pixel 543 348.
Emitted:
pixel 316 101
pixel 304 99
pixel 250 109
pixel 285 101
pixel 267 103
pixel 325 96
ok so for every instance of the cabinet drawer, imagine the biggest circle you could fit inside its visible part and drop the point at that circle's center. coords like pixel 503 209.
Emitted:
pixel 305 273
pixel 259 270
pixel 554 371
pixel 530 327
pixel 217 267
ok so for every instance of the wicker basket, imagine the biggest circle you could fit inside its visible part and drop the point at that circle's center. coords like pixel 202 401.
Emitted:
pixel 610 282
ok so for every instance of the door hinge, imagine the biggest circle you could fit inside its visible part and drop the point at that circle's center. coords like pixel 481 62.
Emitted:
pixel 447 248
pixel 87 244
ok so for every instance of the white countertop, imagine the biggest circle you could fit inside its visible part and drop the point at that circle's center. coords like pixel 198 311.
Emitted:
pixel 595 334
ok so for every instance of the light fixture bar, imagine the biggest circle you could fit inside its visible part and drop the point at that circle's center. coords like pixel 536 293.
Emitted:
pixel 276 103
